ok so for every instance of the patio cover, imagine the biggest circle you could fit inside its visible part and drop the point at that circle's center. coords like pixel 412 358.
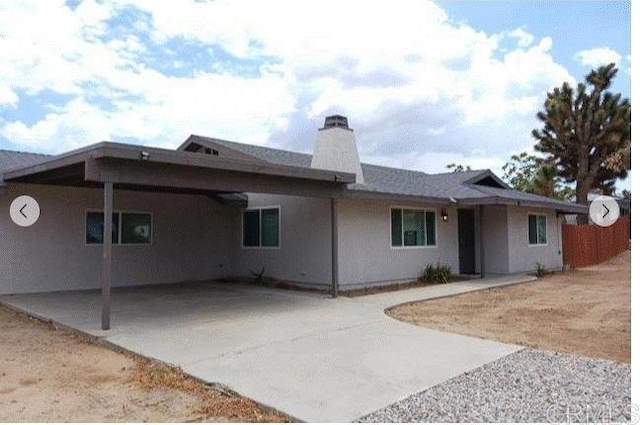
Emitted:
pixel 112 166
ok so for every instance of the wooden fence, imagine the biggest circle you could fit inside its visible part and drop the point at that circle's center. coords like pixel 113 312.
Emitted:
pixel 587 244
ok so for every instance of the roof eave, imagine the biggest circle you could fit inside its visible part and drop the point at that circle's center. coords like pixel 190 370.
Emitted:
pixel 398 197
pixel 566 208
pixel 489 200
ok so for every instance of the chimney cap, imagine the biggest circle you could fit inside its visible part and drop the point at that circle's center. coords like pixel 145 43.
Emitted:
pixel 336 121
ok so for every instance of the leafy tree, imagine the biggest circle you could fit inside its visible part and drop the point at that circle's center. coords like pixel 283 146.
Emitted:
pixel 533 174
pixel 586 133
pixel 457 168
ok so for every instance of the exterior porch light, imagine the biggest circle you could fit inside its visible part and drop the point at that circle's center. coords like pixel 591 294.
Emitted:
pixel 444 214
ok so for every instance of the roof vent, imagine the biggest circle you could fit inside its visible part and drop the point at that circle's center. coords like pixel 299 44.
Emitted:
pixel 336 121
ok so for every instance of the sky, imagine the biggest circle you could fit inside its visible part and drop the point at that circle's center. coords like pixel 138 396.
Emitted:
pixel 424 83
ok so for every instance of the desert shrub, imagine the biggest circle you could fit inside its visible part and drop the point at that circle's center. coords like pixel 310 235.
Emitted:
pixel 540 270
pixel 439 273
pixel 259 277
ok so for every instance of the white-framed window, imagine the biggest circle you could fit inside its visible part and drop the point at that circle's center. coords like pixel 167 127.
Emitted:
pixel 412 227
pixel 129 228
pixel 537 229
pixel 261 227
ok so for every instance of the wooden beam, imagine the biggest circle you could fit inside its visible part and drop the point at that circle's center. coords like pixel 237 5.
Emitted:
pixel 107 256
pixel 116 151
pixel 150 175
pixel 335 286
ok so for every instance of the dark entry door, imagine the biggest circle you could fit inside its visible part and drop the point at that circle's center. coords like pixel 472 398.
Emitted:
pixel 467 241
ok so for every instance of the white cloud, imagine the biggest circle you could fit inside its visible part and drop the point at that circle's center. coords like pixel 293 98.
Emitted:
pixel 525 39
pixel 78 124
pixel 415 85
pixel 599 56
pixel 8 98
pixel 115 94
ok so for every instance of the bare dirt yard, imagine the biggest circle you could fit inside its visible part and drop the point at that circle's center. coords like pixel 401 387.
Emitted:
pixel 50 375
pixel 585 311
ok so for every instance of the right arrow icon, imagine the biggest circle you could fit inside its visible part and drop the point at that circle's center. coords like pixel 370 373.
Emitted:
pixel 604 211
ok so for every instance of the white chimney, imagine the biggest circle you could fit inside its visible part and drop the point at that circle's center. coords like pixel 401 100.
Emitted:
pixel 336 148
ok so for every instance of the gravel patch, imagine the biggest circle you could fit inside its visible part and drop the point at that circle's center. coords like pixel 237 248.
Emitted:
pixel 527 386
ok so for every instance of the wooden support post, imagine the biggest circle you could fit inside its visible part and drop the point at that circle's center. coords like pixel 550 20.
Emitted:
pixel 107 256
pixel 335 287
pixel 481 237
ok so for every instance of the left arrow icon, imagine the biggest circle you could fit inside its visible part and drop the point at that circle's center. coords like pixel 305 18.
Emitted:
pixel 24 211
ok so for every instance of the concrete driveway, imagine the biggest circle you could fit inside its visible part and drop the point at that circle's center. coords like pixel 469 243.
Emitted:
pixel 313 357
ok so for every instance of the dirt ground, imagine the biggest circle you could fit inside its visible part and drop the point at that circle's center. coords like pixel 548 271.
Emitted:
pixel 50 375
pixel 586 311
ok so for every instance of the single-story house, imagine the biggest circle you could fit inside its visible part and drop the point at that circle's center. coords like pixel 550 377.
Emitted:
pixel 215 209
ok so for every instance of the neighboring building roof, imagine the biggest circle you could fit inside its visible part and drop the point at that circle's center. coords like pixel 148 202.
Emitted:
pixel 623 203
pixel 591 196
pixel 10 160
pixel 13 159
pixel 467 187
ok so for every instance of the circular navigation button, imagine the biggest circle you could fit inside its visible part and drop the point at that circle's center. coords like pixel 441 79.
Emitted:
pixel 604 211
pixel 24 211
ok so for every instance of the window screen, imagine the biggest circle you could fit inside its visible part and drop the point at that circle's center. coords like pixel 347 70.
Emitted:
pixel 537 229
pixel 95 228
pixel 396 227
pixel 136 228
pixel 413 227
pixel 270 227
pixel 542 229
pixel 431 227
pixel 251 228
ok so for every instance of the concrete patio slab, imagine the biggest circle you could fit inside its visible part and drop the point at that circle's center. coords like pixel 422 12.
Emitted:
pixel 313 357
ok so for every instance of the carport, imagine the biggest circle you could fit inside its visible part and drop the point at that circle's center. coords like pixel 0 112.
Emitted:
pixel 113 166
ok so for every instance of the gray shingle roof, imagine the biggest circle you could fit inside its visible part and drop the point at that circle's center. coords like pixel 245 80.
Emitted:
pixel 275 156
pixel 395 181
pixel 384 181
pixel 377 178
pixel 13 159
pixel 412 183
pixel 524 197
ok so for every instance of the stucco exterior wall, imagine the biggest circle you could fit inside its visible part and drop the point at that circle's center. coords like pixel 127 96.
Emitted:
pixel 190 241
pixel 524 257
pixel 304 255
pixel 195 238
pixel 495 236
pixel 365 252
